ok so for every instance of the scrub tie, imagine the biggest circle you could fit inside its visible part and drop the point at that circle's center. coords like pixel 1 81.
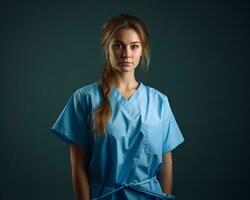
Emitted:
pixel 137 187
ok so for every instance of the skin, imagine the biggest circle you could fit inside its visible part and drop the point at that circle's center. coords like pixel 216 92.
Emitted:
pixel 125 46
pixel 79 162
pixel 166 173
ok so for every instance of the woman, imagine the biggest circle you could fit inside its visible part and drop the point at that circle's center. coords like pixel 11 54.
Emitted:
pixel 121 132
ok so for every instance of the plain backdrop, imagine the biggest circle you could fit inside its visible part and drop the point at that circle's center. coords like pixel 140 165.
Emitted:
pixel 199 59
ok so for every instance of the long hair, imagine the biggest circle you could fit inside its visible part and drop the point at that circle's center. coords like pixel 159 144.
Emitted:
pixel 109 75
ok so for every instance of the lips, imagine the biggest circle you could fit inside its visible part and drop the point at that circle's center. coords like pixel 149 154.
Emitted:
pixel 126 63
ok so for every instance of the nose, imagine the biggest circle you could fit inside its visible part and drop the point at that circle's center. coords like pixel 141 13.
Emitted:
pixel 126 52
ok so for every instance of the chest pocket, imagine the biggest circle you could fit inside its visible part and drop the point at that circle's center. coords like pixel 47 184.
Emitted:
pixel 153 140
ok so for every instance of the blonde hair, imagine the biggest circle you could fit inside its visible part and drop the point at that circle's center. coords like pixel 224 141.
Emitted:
pixel 108 76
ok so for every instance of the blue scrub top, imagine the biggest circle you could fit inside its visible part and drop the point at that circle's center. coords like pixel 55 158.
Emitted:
pixel 124 164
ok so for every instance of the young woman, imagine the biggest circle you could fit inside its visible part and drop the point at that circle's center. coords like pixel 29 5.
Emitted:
pixel 121 132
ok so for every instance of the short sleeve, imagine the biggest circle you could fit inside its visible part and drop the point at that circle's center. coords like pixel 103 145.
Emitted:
pixel 72 124
pixel 172 136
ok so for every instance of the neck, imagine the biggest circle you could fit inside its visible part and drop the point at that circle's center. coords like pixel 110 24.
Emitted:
pixel 126 81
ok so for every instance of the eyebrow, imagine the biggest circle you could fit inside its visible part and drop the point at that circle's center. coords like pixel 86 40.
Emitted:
pixel 118 41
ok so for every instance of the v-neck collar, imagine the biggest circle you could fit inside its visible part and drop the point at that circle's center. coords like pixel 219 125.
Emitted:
pixel 117 94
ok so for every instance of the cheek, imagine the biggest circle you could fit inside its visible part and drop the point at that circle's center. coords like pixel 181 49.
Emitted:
pixel 138 55
pixel 115 54
pixel 113 59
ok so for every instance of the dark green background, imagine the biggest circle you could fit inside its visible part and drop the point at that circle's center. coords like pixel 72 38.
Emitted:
pixel 199 60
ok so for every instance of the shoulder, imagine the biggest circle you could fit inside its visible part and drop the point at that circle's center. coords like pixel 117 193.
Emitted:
pixel 89 95
pixel 156 94
pixel 88 89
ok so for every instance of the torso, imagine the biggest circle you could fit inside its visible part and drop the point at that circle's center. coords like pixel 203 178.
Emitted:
pixel 131 151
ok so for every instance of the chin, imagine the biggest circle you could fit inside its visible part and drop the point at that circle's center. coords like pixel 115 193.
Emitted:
pixel 127 69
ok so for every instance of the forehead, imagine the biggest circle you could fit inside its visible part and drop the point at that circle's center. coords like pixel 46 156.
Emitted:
pixel 126 35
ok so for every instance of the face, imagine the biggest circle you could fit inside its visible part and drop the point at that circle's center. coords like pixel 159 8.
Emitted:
pixel 125 50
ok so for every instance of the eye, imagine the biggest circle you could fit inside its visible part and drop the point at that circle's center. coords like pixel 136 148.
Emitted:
pixel 117 46
pixel 134 46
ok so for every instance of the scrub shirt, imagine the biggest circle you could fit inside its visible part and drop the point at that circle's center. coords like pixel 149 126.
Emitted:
pixel 125 163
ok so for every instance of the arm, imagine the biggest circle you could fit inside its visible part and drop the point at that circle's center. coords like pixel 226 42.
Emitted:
pixel 79 163
pixel 166 173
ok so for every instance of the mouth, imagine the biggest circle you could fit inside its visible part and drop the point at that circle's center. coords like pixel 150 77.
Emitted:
pixel 126 63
